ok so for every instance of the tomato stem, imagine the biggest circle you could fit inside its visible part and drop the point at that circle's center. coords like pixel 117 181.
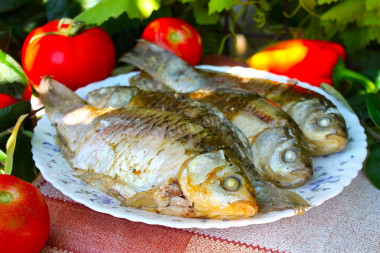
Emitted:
pixel 70 27
pixel 6 197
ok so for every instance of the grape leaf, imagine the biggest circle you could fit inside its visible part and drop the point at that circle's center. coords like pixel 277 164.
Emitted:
pixel 369 18
pixel 344 12
pixel 220 5
pixel 113 8
pixel 373 106
pixel 366 35
pixel 12 78
pixel 372 4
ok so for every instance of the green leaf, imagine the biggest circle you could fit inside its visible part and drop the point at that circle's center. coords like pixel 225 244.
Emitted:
pixel 8 5
pixel 10 114
pixel 3 156
pixel 373 105
pixel 320 2
pixel 344 12
pixel 372 4
pixel 366 35
pixel 373 168
pixel 107 9
pixel 220 5
pixel 359 105
pixel 12 78
pixel 202 17
pixel 23 164
pixel 11 144
pixel 369 18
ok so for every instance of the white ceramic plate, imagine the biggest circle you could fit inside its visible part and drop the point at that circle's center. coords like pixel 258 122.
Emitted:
pixel 331 173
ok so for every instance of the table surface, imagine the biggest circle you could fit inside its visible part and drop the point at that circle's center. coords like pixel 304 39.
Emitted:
pixel 349 222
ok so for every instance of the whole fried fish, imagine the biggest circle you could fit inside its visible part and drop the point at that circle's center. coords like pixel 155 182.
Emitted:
pixel 270 198
pixel 279 148
pixel 321 123
pixel 156 160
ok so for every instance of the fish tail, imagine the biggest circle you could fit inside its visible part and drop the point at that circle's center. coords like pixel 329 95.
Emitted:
pixel 56 97
pixel 283 199
pixel 147 56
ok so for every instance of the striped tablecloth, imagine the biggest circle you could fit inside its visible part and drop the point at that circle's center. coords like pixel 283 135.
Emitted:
pixel 349 222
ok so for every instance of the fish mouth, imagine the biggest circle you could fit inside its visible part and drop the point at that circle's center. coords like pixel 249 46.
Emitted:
pixel 244 208
pixel 333 143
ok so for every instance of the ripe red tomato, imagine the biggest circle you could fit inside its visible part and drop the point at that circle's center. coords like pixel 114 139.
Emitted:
pixel 176 36
pixel 75 60
pixel 24 219
pixel 7 100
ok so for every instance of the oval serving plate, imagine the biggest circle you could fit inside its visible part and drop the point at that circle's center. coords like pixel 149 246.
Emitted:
pixel 331 173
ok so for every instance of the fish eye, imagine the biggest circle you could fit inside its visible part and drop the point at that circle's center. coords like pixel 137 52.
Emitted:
pixel 290 155
pixel 232 183
pixel 324 122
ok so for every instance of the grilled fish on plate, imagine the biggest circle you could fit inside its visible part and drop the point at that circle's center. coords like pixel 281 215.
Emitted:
pixel 155 160
pixel 321 123
pixel 278 149
pixel 270 198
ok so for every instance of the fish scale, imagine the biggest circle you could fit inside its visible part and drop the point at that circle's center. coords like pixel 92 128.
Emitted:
pixel 270 198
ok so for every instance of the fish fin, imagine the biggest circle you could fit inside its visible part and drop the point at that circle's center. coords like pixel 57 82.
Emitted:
pixel 57 98
pixel 143 199
pixel 281 200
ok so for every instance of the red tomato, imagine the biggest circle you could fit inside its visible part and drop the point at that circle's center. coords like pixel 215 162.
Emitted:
pixel 24 219
pixel 7 100
pixel 75 60
pixel 176 36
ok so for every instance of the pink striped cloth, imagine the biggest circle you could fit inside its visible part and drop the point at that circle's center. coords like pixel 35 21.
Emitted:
pixel 348 222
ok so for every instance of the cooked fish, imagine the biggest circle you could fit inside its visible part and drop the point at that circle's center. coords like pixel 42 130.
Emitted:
pixel 155 160
pixel 269 197
pixel 280 152
pixel 321 123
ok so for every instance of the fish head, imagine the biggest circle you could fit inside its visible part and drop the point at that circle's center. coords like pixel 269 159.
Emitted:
pixel 323 126
pixel 217 187
pixel 281 156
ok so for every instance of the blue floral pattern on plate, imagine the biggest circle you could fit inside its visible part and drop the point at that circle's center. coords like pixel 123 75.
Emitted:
pixel 331 173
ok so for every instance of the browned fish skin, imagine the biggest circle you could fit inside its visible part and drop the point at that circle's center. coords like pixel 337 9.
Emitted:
pixel 141 154
pixel 319 120
pixel 270 198
pixel 267 128
pixel 310 110
pixel 132 97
